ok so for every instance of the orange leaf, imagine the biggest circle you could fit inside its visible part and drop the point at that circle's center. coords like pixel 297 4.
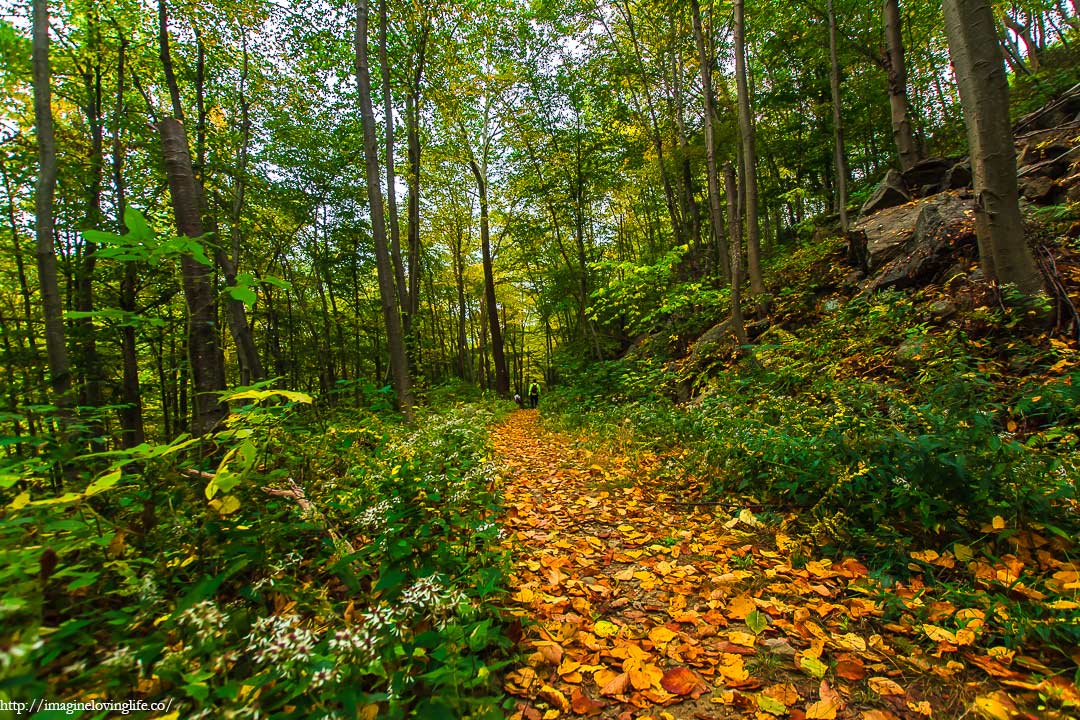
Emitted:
pixel 851 668
pixel 554 698
pixel 822 710
pixel 582 704
pixel 681 681
pixel 885 686
pixel 617 685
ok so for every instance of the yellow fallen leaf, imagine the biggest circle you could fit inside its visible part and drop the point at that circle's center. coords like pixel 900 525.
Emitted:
pixel 996 706
pixel 885 686
pixel 741 638
pixel 822 710
pixel 998 522
pixel 605 629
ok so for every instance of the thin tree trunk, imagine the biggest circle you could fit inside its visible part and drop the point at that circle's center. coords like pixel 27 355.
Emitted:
pixel 89 361
pixel 391 186
pixel 131 413
pixel 55 341
pixel 658 143
pixel 984 95
pixel 715 219
pixel 838 125
pixel 896 70
pixel 399 362
pixel 749 155
pixel 738 324
pixel 247 352
pixel 207 366
pixel 502 377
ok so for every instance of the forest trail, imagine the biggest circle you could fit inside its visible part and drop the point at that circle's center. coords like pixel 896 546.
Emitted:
pixel 632 608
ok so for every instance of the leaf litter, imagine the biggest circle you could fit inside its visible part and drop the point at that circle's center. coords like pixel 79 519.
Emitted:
pixel 632 605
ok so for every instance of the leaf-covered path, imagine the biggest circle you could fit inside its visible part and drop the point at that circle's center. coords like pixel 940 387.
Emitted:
pixel 635 607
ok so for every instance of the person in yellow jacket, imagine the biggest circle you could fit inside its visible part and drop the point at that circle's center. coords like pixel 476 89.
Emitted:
pixel 534 394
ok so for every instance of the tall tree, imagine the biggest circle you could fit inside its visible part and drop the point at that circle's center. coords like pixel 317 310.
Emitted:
pixel 55 340
pixel 984 95
pixel 715 215
pixel 749 155
pixel 838 124
pixel 204 351
pixel 896 69
pixel 399 362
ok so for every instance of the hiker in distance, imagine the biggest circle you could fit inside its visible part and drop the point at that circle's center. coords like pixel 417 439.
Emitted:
pixel 534 394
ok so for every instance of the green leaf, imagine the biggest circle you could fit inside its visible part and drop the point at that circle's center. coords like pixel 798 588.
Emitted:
pixel 136 224
pixel 276 282
pixel 757 621
pixel 260 395
pixel 813 666
pixel 104 482
pixel 242 293
pixel 99 237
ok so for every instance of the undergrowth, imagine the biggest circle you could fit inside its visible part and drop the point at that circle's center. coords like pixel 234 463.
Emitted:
pixel 873 427
pixel 344 566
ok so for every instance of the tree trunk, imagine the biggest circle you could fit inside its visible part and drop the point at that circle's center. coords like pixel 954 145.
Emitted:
pixel 391 186
pixel 55 341
pixel 984 96
pixel 247 353
pixel 131 416
pixel 749 155
pixel 88 359
pixel 657 139
pixel 897 74
pixel 502 377
pixel 738 324
pixel 715 219
pixel 207 363
pixel 399 362
pixel 838 125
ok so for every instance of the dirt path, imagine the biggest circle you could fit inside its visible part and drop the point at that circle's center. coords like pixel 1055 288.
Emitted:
pixel 636 609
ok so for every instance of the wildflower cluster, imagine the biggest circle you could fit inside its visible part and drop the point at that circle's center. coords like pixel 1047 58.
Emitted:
pixel 204 617
pixel 429 597
pixel 277 640
pixel 374 518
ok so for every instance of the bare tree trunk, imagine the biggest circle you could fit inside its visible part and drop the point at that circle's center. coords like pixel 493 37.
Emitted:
pixel 838 125
pixel 399 362
pixel 55 341
pixel 412 122
pixel 207 363
pixel 749 154
pixel 391 190
pixel 658 143
pixel 715 215
pixel 88 359
pixel 251 368
pixel 738 324
pixel 502 377
pixel 984 95
pixel 131 417
pixel 897 73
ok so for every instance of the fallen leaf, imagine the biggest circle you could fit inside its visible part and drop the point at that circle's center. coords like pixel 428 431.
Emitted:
pixel 582 704
pixel 617 685
pixel 681 681
pixel 885 686
pixel 604 629
pixel 996 706
pixel 813 666
pixel 554 698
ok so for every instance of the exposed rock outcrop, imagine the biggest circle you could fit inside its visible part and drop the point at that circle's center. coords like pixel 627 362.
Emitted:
pixel 911 244
pixel 890 192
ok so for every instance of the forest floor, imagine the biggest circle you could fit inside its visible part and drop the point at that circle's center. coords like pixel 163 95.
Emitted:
pixel 634 606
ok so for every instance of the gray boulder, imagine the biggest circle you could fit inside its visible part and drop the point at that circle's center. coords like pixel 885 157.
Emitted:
pixel 890 192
